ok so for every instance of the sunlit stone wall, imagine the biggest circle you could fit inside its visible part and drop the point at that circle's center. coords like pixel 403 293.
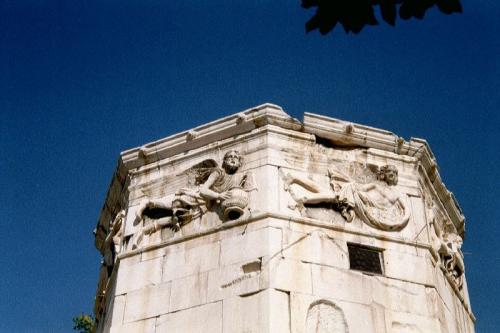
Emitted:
pixel 258 222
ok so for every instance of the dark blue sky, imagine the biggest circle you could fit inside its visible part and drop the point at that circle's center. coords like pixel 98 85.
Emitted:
pixel 81 81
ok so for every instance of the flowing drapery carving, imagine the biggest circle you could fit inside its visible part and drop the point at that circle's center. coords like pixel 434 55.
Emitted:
pixel 213 188
pixel 376 201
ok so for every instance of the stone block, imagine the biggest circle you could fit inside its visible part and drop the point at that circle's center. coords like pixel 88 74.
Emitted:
pixel 138 275
pixel 143 326
pixel 354 311
pixel 189 291
pixel 404 266
pixel 264 199
pixel 234 280
pixel 340 284
pixel 147 302
pixel 114 313
pixel 153 254
pixel 443 288
pixel 201 319
pixel 117 310
pixel 316 247
pixel 130 261
pixel 250 245
pixel 418 219
pixel 400 295
pixel 265 311
pixel 191 261
pixel 299 305
pixel 290 275
pixel 404 322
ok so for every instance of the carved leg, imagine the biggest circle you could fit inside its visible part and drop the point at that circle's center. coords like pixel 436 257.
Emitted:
pixel 165 203
pixel 302 181
pixel 137 239
pixel 140 210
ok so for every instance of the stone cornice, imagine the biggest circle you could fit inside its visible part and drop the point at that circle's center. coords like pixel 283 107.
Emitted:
pixel 223 128
pixel 347 134
pixel 340 133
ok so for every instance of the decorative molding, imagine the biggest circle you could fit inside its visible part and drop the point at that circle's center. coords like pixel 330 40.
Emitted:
pixel 269 118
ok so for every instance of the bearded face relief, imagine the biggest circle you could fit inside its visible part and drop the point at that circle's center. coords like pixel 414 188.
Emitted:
pixel 382 206
pixel 210 188
pixel 232 161
pixel 229 188
pixel 389 174
pixel 375 200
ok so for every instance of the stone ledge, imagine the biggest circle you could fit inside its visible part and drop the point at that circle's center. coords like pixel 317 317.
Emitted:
pixel 271 117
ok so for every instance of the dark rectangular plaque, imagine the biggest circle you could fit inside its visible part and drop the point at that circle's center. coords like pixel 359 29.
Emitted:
pixel 366 259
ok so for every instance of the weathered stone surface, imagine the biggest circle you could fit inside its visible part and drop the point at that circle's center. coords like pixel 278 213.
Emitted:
pixel 189 291
pixel 265 311
pixel 138 275
pixel 191 261
pixel 400 296
pixel 260 223
pixel 232 280
pixel 147 302
pixel 115 313
pixel 143 326
pixel 265 199
pixel 200 319
pixel 316 247
pixel 404 322
pixel 340 284
pixel 250 246
pixel 318 314
pixel 290 275
pixel 325 316
pixel 407 267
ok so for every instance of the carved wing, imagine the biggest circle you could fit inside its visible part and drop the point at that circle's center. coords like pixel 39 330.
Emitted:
pixel 199 173
pixel 356 172
pixel 363 173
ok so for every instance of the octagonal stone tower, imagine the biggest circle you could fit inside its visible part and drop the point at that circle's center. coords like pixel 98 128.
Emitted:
pixel 258 222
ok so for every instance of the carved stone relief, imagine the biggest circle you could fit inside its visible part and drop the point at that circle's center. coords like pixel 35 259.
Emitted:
pixel 111 247
pixel 361 190
pixel 325 317
pixel 446 242
pixel 223 190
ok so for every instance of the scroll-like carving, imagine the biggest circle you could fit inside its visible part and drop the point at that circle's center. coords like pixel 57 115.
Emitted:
pixel 222 189
pixel 377 202
pixel 325 317
pixel 447 243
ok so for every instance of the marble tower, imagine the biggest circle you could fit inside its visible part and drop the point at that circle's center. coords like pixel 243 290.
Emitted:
pixel 258 222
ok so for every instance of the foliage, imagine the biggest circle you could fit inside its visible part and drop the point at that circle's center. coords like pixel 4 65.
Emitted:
pixel 84 323
pixel 353 15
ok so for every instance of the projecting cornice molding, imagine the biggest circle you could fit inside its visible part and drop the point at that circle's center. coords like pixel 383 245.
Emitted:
pixel 333 131
pixel 236 124
pixel 347 134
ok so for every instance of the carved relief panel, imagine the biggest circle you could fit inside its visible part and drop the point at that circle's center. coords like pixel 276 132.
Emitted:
pixel 446 242
pixel 222 191
pixel 351 189
pixel 325 317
